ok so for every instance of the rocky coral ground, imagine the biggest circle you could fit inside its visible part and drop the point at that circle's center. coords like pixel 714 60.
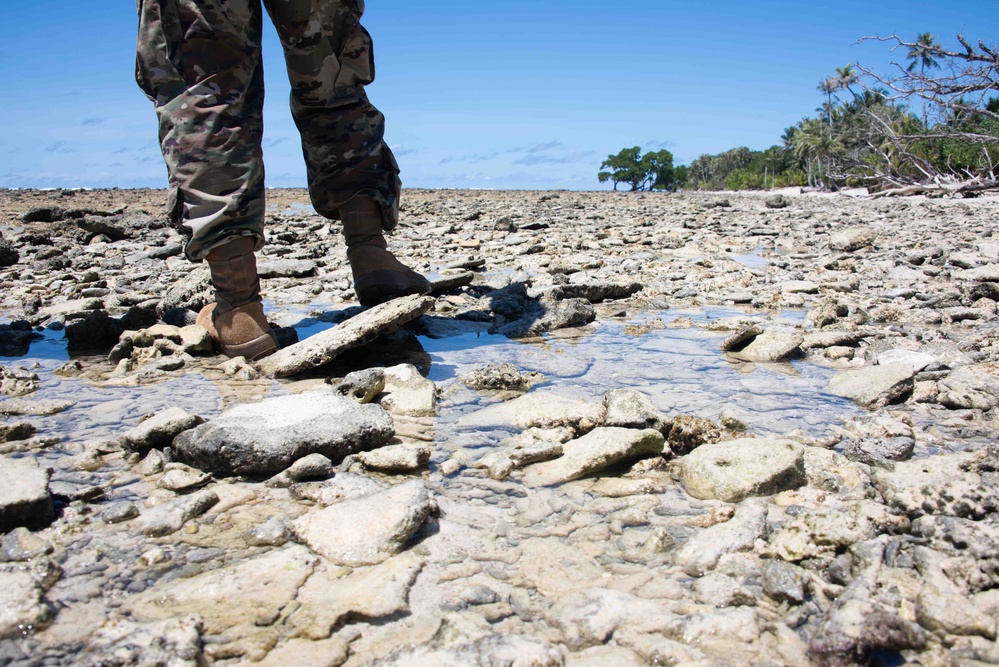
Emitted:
pixel 625 429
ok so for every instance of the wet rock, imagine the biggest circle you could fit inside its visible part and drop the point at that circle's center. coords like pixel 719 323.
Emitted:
pixel 874 386
pixel 407 393
pixel 15 381
pixel 403 457
pixel 598 450
pixel 359 330
pixel 687 433
pixel 597 292
pixel 531 446
pixel 629 408
pixel 543 316
pixel 174 642
pixel 737 469
pixel 271 533
pixel 235 603
pixel 699 554
pixel 312 466
pixel 784 582
pixel 15 338
pixel 719 590
pixel 20 544
pixel 875 451
pixel 182 479
pixel 345 486
pixel 159 430
pixel 362 386
pixel 504 377
pixel 119 512
pixel 16 431
pixel 450 280
pixel 22 609
pixel 366 530
pixel 376 592
pixel 769 346
pixel 171 516
pixel 589 617
pixel 24 495
pixel 266 437
pixel 542 410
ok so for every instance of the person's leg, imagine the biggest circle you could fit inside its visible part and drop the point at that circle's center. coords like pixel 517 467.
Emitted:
pixel 352 174
pixel 199 62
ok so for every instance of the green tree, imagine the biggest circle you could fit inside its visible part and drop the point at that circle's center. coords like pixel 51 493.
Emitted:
pixel 659 172
pixel 626 167
pixel 829 85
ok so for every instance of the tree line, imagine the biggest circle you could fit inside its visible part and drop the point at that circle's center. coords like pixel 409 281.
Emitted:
pixel 932 122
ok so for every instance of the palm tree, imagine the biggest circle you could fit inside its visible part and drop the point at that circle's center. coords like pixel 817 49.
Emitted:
pixel 921 53
pixel 847 76
pixel 829 85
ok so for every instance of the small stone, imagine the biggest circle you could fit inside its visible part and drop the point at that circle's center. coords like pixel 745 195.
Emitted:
pixel 784 582
pixel 119 512
pixel 874 386
pixel 181 478
pixel 505 377
pixel 313 466
pixel 362 386
pixel 407 393
pixel 16 431
pixel 172 515
pixel 403 457
pixel 271 533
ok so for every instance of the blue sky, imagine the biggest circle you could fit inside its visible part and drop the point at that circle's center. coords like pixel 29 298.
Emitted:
pixel 514 94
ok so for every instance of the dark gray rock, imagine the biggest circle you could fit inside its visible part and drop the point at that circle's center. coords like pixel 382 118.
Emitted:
pixel 8 254
pixel 193 291
pixel 264 438
pixel 543 316
pixel 776 201
pixel 784 582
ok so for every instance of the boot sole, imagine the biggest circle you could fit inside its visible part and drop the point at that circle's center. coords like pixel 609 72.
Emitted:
pixel 384 285
pixel 258 348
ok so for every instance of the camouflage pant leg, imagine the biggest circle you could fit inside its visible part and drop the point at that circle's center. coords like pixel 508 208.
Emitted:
pixel 330 59
pixel 199 62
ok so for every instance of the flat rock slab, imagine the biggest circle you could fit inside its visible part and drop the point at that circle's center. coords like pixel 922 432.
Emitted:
pixel 159 430
pixel 24 495
pixel 267 437
pixel 171 516
pixel 238 595
pixel 544 410
pixel 736 469
pixel 874 386
pixel 21 604
pixel 361 329
pixel 367 530
pixel 598 450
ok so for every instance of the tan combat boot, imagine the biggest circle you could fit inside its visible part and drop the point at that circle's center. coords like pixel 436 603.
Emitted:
pixel 378 275
pixel 236 320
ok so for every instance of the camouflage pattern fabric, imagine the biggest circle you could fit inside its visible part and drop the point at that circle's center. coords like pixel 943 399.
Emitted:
pixel 199 62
